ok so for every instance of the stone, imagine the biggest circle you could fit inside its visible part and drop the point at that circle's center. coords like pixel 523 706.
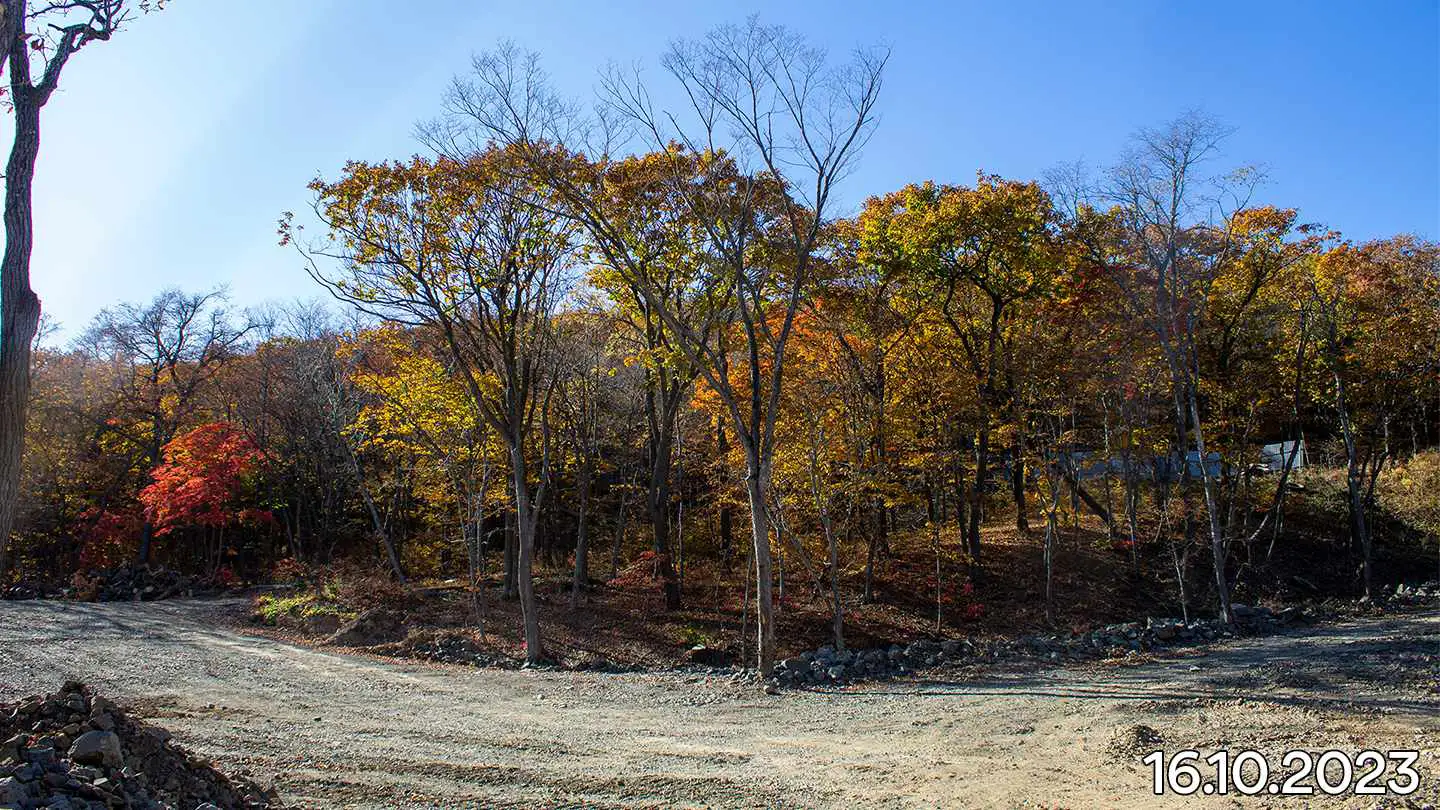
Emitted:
pixel 707 656
pixel 98 748
pixel 12 792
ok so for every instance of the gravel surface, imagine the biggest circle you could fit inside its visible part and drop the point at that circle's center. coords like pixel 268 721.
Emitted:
pixel 333 731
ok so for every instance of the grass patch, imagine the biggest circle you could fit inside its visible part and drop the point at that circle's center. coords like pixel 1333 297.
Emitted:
pixel 274 609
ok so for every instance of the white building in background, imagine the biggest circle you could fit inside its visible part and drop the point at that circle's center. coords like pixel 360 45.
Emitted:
pixel 1275 456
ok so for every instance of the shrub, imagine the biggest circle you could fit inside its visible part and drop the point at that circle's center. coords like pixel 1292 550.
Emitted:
pixel 1411 491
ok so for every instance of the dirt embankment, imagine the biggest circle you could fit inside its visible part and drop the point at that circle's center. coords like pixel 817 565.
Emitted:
pixel 333 731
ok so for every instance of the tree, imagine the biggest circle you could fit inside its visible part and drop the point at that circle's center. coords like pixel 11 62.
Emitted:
pixel 468 253
pixel 34 40
pixel 165 352
pixel 1172 237
pixel 869 306
pixel 1377 312
pixel 984 252
pixel 200 484
pixel 666 258
pixel 772 127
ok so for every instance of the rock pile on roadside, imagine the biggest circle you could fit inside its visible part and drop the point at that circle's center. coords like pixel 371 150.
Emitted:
pixel 1422 594
pixel 444 646
pixel 127 583
pixel 31 590
pixel 141 582
pixel 74 750
pixel 830 666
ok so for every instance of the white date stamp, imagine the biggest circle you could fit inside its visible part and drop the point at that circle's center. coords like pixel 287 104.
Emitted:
pixel 1300 773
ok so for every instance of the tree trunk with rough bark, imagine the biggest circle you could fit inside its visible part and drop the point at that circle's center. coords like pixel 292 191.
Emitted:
pixel 19 309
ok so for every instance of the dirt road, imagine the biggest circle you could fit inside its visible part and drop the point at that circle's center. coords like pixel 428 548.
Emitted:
pixel 334 731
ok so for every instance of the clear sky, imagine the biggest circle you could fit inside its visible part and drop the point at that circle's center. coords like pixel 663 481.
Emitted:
pixel 170 152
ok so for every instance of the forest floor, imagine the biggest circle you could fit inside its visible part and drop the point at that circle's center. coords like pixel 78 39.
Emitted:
pixel 622 622
pixel 337 731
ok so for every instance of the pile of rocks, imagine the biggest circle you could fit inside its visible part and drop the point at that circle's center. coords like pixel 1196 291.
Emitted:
pixel 1424 594
pixel 444 646
pixel 830 666
pixel 127 583
pixel 31 590
pixel 73 750
pixel 144 583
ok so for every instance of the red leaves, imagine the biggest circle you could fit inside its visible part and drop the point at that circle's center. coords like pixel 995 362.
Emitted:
pixel 203 475
pixel 108 539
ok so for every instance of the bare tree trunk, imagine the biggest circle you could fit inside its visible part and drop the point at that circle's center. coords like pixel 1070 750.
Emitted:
pixel 508 555
pixel 525 520
pixel 662 431
pixel 582 536
pixel 977 495
pixel 619 535
pixel 1017 486
pixel 1212 511
pixel 1052 529
pixel 872 548
pixel 760 536
pixel 822 507
pixel 661 409
pixel 727 514
pixel 1354 480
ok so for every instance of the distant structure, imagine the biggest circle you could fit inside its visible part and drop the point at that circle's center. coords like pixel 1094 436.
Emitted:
pixel 1274 457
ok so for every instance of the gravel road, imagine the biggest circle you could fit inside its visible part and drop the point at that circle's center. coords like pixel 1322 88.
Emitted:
pixel 333 731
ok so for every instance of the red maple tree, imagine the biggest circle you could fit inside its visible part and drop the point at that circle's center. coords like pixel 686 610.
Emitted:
pixel 201 480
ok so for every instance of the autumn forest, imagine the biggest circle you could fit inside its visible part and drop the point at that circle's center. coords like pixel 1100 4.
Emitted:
pixel 582 347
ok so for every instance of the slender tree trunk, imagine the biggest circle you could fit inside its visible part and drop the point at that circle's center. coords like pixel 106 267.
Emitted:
pixel 619 543
pixel 525 522
pixel 384 536
pixel 977 494
pixel 760 536
pixel 1354 482
pixel 658 503
pixel 1017 486
pixel 1052 528
pixel 727 514
pixel 1212 511
pixel 582 538
pixel 507 589
pixel 822 507
pixel 871 548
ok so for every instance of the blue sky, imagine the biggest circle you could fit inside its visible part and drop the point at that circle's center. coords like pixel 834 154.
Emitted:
pixel 170 152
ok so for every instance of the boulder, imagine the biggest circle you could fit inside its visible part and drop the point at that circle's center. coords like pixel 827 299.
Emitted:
pixel 98 748
pixel 707 656
pixel 13 793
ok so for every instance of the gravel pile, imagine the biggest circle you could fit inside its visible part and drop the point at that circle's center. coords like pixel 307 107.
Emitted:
pixel 830 666
pixel 75 751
